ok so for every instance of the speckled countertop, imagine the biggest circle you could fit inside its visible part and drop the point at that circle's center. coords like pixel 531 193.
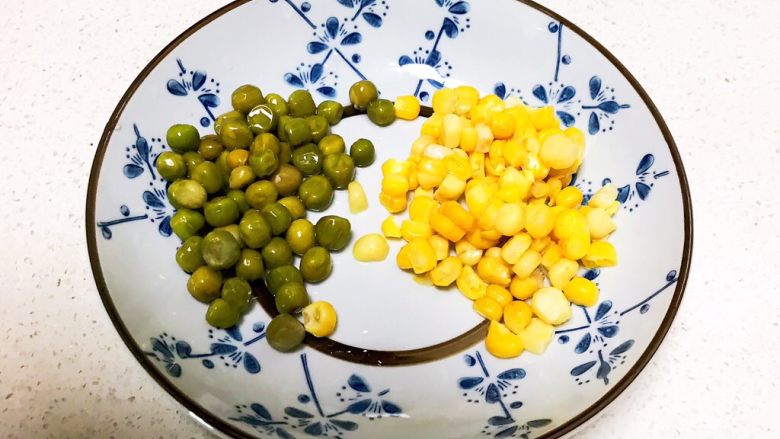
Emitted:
pixel 710 66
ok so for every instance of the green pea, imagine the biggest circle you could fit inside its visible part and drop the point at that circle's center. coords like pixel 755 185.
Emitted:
pixel 340 170
pixel 221 314
pixel 332 144
pixel 308 159
pixel 247 97
pixel 287 178
pixel 261 193
pixel 236 134
pixel 182 138
pixel 220 249
pixel 297 131
pixel 241 176
pixel 295 206
pixel 278 217
pixel 238 293
pixel 204 284
pixel 264 163
pixel 362 153
pixel 263 142
pixel 250 265
pixel 262 119
pixel 285 153
pixel 254 229
pixel 221 211
pixel 281 275
pixel 239 198
pixel 186 223
pixel 234 230
pixel 301 236
pixel 291 297
pixel 188 255
pixel 316 264
pixel 333 232
pixel 187 193
pixel 209 176
pixel 277 253
pixel 316 192
pixel 381 112
pixel 222 163
pixel 301 103
pixel 277 104
pixel 171 166
pixel 192 159
pixel 332 111
pixel 280 128
pixel 285 333
pixel 210 147
pixel 318 126
pixel 227 117
pixel 362 93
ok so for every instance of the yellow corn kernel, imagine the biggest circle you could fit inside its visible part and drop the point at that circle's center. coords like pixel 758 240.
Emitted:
pixel 550 305
pixel 576 246
pixel 493 252
pixel 503 125
pixel 412 179
pixel 613 208
pixel 576 135
pixel 568 222
pixel 357 197
pixel 446 272
pixel 527 263
pixel 468 138
pixel 445 227
pixel 558 151
pixel 421 255
pixel 477 163
pixel 513 186
pixel 554 185
pixel 468 254
pixel 471 285
pixel 458 215
pixel 540 189
pixel 420 192
pixel 604 197
pixel 421 208
pixel 514 152
pixel 551 255
pixel 419 145
pixel 402 258
pixel 392 204
pixel 533 164
pixel 437 152
pixel 467 97
pixel 600 254
pixel 319 319
pixel 432 126
pixel 486 219
pixel 494 168
pixel 600 223
pixel 495 152
pixel 423 279
pixel 510 219
pixel 494 270
pixel 544 134
pixel 562 272
pixel 430 172
pixel 440 246
pixel 444 101
pixel 523 288
pixel 569 196
pixel 396 167
pixel 475 238
pixel 544 118
pixel 451 188
pixel 517 315
pixel 499 294
pixel 484 138
pixel 395 185
pixel 539 244
pixel 539 220
pixel 515 247
pixel 237 157
pixel 390 228
pixel 407 107
pixel 581 291
pixel 371 248
pixel 450 131
pixel 488 308
pixel 491 235
pixel 241 176
pixel 411 230
pixel 537 336
pixel 503 343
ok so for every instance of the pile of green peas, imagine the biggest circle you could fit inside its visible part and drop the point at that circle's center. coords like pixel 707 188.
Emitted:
pixel 242 195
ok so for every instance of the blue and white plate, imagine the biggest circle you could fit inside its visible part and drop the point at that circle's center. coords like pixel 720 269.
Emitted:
pixel 407 360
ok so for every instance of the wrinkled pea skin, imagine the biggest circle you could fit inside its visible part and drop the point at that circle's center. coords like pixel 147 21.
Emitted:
pixel 332 111
pixel 277 253
pixel 188 255
pixel 171 166
pixel 261 193
pixel 238 293
pixel 362 93
pixel 250 265
pixel 220 250
pixel 297 132
pixel 186 223
pixel 285 333
pixel 332 144
pixel 287 179
pixel 301 236
pixel 247 97
pixel 262 119
pixel 254 229
pixel 316 192
pixel 204 284
pixel 227 117
pixel 318 126
pixel 221 211
pixel 381 112
pixel 221 314
pixel 316 264
pixel 291 297
pixel 182 138
pixel 187 194
pixel 295 206
pixel 301 103
pixel 308 159
pixel 210 147
pixel 278 217
pixel 362 153
pixel 340 170
pixel 277 104
pixel 282 275
pixel 264 163
pixel 333 232
pixel 209 176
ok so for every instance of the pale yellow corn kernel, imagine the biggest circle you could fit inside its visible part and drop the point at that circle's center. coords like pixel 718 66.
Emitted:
pixel 540 189
pixel 432 126
pixel 551 255
pixel 421 208
pixel 371 248
pixel 581 291
pixel 486 219
pixel 558 151
pixel 459 215
pixel 490 235
pixel 517 315
pixel 514 186
pixel 436 152
pixel 533 164
pixel 390 228
pixel 576 135
pixel 468 254
pixel 514 152
pixel 523 288
pixel 499 294
pixel 488 308
pixel 613 208
pixel 562 272
pixel 544 134
pixel 357 197
pixel 569 196
pixel 556 210
pixel 396 167
pixel 444 101
pixel 484 138
pixel 510 219
pixel 402 258
pixel 430 172
pixel 412 180
pixel 446 272
pixel 319 318
pixel 479 113
pixel 525 129
pixel 568 222
pixel 604 197
pixel 419 145
pixel 421 255
pixel 441 246
pixel 407 107
pixel 468 138
pixel 493 252
pixel 391 203
pixel 458 166
pixel 503 343
pixel 450 131
pixel 576 246
pixel 540 276
pixel 503 125
pixel 445 227
pixel 600 254
pixel 540 244
pixel 551 305
pixel 421 192
pixel 477 162
pixel 475 237
pixel 532 145
pixel 527 263
pixel 554 185
pixel 467 97
pixel 544 118
pixel 514 248
pixel 494 270
pixel 471 285
pixel 513 101
pixel 495 153
pixel 411 230
pixel 494 168
pixel 599 223
pixel 423 279
pixel 537 336
pixel 539 220
pixel 451 188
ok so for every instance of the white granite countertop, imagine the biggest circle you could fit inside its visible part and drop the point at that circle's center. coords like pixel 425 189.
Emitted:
pixel 710 66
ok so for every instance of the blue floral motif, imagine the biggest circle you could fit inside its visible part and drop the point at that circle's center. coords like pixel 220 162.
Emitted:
pixel 631 194
pixel 308 415
pixel 599 333
pixel 198 84
pixel 603 106
pixel 497 390
pixel 227 347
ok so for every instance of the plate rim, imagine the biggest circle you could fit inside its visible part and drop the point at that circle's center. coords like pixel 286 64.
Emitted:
pixel 226 428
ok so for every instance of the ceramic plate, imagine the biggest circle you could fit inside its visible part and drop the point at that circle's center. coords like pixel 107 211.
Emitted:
pixel 407 360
